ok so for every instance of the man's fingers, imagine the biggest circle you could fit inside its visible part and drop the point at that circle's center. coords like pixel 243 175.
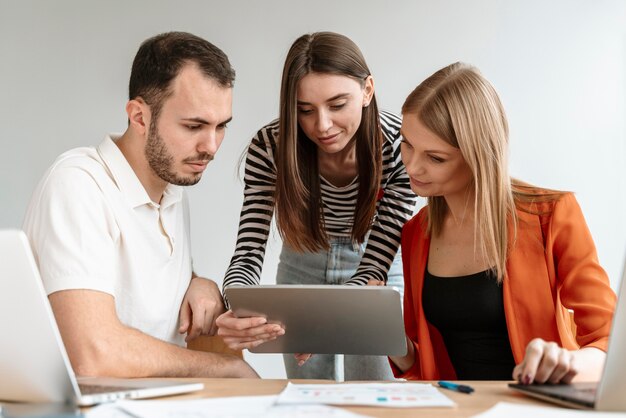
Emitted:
pixel 212 325
pixel 197 323
pixel 208 323
pixel 201 304
pixel 185 313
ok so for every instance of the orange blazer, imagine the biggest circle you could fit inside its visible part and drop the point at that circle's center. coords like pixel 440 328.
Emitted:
pixel 552 267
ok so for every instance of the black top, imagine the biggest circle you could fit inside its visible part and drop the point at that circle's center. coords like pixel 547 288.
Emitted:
pixel 468 311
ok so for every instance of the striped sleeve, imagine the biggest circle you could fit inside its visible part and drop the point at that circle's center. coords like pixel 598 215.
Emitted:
pixel 257 210
pixel 394 208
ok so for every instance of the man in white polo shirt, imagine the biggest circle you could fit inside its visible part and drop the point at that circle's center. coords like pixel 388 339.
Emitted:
pixel 109 226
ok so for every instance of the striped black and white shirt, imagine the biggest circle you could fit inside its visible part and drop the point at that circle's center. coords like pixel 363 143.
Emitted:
pixel 392 210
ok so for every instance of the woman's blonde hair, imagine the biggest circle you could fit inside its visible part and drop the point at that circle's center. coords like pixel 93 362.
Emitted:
pixel 299 213
pixel 460 106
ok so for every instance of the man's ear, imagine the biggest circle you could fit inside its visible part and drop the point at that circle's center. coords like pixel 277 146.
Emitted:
pixel 138 115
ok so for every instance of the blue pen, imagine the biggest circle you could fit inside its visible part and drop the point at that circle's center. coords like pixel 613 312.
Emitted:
pixel 456 387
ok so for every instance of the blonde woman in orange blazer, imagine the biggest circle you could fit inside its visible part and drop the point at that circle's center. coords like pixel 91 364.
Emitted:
pixel 491 265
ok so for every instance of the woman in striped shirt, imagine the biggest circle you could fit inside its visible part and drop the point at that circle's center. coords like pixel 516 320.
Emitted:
pixel 330 169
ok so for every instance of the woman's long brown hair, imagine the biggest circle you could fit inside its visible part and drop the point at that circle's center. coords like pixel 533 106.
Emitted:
pixel 299 212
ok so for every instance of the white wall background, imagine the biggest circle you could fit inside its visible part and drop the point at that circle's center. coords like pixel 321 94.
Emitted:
pixel 559 65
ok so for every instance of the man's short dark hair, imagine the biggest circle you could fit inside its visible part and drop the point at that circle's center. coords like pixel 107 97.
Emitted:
pixel 160 59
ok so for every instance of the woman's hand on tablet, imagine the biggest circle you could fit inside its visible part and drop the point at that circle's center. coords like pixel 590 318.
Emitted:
pixel 302 358
pixel 246 333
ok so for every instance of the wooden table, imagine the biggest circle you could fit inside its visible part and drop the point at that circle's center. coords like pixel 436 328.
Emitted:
pixel 486 395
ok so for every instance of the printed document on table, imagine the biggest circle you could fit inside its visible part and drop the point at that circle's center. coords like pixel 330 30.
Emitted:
pixel 392 395
pixel 231 407
pixel 513 410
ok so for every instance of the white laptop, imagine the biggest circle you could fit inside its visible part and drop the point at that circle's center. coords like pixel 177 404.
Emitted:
pixel 326 319
pixel 610 393
pixel 34 366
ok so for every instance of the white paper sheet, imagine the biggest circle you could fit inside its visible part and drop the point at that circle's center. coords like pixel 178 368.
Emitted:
pixel 391 395
pixel 513 410
pixel 231 407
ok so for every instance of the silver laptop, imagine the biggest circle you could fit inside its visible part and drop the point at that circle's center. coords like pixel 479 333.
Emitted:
pixel 326 319
pixel 610 393
pixel 34 366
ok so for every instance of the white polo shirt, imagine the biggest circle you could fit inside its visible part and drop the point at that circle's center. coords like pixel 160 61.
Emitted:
pixel 92 226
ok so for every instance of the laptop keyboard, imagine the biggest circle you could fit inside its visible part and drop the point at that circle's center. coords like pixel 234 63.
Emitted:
pixel 96 389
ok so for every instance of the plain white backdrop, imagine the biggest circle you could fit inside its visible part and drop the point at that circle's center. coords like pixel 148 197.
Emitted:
pixel 559 66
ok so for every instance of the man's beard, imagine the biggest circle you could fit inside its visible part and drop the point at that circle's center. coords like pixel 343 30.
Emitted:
pixel 161 161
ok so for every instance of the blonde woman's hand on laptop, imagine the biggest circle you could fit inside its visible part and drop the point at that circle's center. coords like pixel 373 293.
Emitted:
pixel 246 333
pixel 375 282
pixel 546 362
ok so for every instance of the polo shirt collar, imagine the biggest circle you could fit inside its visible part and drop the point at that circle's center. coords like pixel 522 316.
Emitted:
pixel 171 195
pixel 127 181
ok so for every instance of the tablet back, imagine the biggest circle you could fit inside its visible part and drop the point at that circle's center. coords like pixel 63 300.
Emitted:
pixel 326 319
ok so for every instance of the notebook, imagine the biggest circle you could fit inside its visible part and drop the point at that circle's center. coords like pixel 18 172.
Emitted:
pixel 610 393
pixel 34 366
pixel 326 319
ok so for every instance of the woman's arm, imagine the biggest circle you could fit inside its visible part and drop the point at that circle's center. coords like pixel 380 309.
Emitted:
pixel 254 225
pixel 409 366
pixel 395 207
pixel 404 363
pixel 583 287
pixel 256 211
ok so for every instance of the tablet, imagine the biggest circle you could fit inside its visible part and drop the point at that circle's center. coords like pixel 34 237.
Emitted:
pixel 326 319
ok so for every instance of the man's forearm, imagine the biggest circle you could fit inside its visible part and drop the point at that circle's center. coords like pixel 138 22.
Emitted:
pixel 132 353
pixel 98 344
